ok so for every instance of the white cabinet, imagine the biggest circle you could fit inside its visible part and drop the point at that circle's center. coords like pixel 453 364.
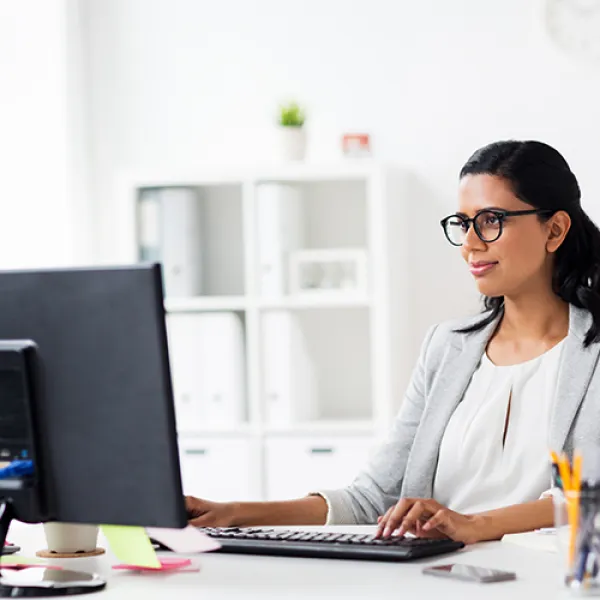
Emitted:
pixel 220 469
pixel 298 465
pixel 326 358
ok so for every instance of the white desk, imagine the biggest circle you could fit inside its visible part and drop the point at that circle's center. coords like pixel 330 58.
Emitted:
pixel 224 576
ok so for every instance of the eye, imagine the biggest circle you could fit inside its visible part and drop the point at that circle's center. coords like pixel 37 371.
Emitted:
pixel 490 219
pixel 457 222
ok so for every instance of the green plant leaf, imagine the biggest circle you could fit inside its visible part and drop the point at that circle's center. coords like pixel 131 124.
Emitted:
pixel 291 115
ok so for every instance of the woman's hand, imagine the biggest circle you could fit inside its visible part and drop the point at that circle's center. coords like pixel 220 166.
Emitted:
pixel 204 513
pixel 428 518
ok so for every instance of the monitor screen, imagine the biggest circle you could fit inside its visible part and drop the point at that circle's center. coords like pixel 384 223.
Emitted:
pixel 14 419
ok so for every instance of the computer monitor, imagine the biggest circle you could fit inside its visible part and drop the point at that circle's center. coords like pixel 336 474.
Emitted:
pixel 107 440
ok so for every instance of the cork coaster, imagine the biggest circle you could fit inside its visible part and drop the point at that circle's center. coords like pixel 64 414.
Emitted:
pixel 48 554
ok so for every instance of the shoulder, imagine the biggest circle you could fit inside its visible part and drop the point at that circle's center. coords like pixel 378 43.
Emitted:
pixel 450 332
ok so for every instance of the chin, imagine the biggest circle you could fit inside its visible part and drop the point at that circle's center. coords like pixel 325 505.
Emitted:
pixel 487 288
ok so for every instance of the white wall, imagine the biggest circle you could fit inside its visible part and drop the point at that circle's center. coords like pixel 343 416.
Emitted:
pixel 186 81
pixel 38 211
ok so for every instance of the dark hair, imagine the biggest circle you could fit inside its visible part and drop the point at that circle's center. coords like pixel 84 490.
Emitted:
pixel 541 177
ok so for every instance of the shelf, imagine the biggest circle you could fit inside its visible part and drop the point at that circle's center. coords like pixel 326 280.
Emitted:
pixel 214 175
pixel 240 303
pixel 239 429
pixel 317 300
pixel 350 169
pixel 205 303
pixel 327 427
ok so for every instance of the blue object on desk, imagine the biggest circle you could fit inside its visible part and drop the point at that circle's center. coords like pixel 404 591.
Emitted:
pixel 17 468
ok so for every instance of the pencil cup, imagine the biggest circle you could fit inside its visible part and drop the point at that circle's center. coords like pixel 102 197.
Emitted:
pixel 70 539
pixel 577 523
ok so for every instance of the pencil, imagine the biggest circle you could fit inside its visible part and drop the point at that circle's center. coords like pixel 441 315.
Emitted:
pixel 565 473
pixel 575 487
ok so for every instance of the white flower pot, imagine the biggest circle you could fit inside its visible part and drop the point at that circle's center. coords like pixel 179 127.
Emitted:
pixel 292 143
pixel 70 537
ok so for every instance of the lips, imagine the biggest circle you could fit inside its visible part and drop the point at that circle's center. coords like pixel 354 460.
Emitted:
pixel 480 268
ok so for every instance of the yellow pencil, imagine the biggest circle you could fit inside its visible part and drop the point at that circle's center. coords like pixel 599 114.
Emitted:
pixel 565 473
pixel 574 504
pixel 576 473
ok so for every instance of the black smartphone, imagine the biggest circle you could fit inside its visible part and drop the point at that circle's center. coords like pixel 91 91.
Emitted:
pixel 470 573
pixel 10 549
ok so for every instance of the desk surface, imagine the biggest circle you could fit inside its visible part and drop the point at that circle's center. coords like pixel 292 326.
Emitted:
pixel 223 576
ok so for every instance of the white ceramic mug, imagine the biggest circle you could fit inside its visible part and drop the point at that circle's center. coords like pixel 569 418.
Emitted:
pixel 70 537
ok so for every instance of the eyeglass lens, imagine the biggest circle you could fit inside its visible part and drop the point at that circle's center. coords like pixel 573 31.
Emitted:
pixel 487 224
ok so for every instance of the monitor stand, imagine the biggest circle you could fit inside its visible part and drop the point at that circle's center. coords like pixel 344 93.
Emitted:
pixel 41 581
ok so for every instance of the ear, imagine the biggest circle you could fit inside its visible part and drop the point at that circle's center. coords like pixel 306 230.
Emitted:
pixel 558 227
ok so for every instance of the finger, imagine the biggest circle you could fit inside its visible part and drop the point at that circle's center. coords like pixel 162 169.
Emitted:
pixel 195 506
pixel 382 522
pixel 441 521
pixel 409 523
pixel 206 519
pixel 398 514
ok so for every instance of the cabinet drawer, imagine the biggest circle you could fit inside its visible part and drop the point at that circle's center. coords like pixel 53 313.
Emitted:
pixel 219 469
pixel 296 466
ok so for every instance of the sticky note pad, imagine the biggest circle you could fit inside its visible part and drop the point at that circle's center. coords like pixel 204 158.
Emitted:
pixel 131 545
pixel 166 564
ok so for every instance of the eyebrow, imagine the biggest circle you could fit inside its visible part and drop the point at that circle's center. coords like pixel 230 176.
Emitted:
pixel 462 214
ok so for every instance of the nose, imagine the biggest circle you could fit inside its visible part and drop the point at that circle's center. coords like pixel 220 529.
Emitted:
pixel 472 242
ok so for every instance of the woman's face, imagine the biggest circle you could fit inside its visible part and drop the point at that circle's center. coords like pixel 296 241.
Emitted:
pixel 520 257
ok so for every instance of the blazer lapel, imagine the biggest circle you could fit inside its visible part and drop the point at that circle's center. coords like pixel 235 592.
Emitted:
pixel 460 362
pixel 577 367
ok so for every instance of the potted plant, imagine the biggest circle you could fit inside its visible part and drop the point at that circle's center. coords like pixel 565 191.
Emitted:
pixel 291 132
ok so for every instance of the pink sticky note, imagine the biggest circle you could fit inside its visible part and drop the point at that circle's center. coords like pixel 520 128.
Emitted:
pixel 183 541
pixel 166 564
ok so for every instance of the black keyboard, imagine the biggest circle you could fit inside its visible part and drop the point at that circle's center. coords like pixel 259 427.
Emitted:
pixel 325 544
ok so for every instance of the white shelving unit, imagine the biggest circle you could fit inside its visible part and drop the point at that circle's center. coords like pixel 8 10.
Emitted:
pixel 354 341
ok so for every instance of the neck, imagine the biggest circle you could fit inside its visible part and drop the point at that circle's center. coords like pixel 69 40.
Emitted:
pixel 536 315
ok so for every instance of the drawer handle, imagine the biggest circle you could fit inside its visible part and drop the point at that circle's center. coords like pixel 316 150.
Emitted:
pixel 321 450
pixel 197 451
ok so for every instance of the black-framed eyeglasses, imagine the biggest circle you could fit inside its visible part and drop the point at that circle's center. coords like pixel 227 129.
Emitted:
pixel 488 224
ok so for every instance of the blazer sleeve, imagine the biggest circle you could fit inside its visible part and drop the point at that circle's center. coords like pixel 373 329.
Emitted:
pixel 378 485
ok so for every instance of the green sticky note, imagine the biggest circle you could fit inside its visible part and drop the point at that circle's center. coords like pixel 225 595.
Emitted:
pixel 21 560
pixel 131 545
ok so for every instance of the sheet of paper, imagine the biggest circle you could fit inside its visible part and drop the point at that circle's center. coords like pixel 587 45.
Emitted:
pixel 534 540
pixel 131 545
pixel 183 541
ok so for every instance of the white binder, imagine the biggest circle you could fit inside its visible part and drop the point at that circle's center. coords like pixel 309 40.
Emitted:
pixel 181 241
pixel 207 369
pixel 280 232
pixel 170 231
pixel 148 221
pixel 289 375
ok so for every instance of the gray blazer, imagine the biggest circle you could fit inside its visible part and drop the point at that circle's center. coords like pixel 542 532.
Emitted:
pixel 405 464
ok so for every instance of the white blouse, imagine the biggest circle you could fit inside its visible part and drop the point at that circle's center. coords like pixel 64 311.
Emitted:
pixel 478 467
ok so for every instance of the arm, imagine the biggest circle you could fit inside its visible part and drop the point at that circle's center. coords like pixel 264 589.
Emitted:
pixel 428 518
pixel 304 511
pixel 493 524
pixel 378 486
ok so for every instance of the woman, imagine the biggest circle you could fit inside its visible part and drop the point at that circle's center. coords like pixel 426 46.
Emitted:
pixel 467 456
